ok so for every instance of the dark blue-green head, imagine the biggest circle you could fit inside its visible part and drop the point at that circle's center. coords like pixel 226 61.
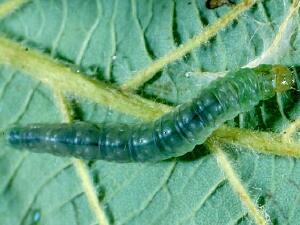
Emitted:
pixel 274 79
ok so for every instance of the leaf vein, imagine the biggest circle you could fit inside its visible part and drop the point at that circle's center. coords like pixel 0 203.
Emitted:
pixel 146 74
pixel 205 198
pixel 10 6
pixel 89 191
pixel 42 186
pixel 18 165
pixel 6 84
pixel 279 38
pixel 61 28
pixel 25 106
pixel 61 78
pixel 236 184
pixel 151 197
pixel 89 35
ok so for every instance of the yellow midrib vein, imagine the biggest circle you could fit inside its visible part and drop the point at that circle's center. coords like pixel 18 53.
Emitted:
pixel 262 142
pixel 61 78
pixel 9 6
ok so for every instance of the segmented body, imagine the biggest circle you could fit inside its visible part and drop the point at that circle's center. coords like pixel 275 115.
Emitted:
pixel 174 134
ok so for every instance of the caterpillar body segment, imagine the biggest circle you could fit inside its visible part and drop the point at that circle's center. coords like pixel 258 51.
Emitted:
pixel 174 134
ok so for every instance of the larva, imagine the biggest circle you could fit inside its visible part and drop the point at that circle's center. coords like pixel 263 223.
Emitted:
pixel 174 134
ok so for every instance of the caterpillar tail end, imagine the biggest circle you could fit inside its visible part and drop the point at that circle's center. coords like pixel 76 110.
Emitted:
pixel 285 78
pixel 9 139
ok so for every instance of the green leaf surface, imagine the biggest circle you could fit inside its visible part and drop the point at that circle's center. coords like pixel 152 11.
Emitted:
pixel 113 41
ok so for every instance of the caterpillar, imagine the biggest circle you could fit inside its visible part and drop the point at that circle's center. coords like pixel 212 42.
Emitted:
pixel 172 135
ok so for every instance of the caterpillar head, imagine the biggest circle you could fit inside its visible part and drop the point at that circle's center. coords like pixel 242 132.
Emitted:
pixel 274 79
pixel 284 78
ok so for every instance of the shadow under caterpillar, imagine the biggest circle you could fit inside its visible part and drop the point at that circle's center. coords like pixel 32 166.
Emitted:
pixel 172 135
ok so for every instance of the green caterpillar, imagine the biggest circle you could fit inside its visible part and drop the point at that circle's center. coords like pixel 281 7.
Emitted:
pixel 172 135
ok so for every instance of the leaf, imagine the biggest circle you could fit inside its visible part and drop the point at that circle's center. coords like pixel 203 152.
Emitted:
pixel 116 41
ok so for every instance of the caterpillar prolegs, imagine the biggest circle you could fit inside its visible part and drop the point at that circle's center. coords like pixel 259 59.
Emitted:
pixel 174 134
